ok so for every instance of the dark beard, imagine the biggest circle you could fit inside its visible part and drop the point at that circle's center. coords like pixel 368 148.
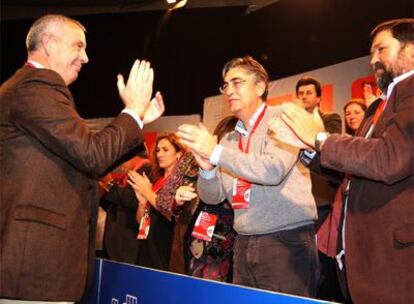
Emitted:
pixel 383 78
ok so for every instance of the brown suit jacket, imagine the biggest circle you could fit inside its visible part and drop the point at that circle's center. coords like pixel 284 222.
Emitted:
pixel 48 157
pixel 379 236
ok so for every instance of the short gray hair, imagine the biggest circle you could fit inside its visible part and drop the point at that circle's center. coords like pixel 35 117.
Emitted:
pixel 42 25
pixel 253 67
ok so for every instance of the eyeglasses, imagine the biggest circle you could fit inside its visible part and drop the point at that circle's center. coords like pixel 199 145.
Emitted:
pixel 236 83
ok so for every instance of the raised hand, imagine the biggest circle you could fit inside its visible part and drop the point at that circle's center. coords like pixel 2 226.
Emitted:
pixel 283 134
pixel 198 139
pixel 136 93
pixel 304 124
pixel 154 109
pixel 140 183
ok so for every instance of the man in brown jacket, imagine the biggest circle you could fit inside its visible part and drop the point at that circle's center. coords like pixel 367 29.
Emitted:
pixel 49 158
pixel 378 249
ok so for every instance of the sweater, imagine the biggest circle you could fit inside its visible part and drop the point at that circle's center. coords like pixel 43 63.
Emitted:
pixel 280 198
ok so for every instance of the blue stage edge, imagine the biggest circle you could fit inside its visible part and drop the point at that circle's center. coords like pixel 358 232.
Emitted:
pixel 117 283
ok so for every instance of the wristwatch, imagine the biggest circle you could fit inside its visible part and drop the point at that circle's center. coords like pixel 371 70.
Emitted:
pixel 320 139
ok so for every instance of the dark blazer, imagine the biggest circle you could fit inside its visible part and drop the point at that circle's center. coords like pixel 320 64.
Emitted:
pixel 121 227
pixel 380 218
pixel 121 230
pixel 48 158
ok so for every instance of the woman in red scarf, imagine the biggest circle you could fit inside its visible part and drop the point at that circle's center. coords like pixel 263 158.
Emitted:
pixel 172 167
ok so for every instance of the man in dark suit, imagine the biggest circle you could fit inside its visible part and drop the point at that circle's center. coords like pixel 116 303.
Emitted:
pixel 48 160
pixel 309 92
pixel 378 248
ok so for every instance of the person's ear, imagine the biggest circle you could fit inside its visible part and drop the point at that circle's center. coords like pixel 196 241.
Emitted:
pixel 260 88
pixel 48 43
pixel 319 99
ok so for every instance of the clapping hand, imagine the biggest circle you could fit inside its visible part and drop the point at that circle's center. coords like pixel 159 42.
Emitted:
pixel 304 124
pixel 200 142
pixel 282 133
pixel 154 110
pixel 140 183
pixel 136 93
pixel 198 139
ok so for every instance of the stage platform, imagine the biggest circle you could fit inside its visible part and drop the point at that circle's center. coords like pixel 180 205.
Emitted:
pixel 117 283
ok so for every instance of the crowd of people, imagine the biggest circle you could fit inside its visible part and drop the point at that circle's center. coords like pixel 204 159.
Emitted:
pixel 277 198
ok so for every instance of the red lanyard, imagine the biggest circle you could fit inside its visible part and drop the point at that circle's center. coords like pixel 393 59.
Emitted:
pixel 377 115
pixel 256 124
pixel 379 111
pixel 159 184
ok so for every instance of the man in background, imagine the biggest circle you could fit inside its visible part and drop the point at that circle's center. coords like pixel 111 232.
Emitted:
pixel 309 92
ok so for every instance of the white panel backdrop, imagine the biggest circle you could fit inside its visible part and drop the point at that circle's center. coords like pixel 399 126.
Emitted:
pixel 340 75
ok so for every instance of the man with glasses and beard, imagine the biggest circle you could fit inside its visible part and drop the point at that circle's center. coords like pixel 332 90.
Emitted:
pixel 268 188
pixel 377 249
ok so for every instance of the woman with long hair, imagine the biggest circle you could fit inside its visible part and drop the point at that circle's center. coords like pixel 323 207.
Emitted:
pixel 172 167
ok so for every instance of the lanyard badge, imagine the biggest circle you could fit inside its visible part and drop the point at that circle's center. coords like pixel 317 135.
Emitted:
pixel 241 194
pixel 145 223
pixel 144 227
pixel 204 226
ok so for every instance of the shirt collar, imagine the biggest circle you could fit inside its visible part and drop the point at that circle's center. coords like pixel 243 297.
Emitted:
pixel 36 64
pixel 397 80
pixel 241 128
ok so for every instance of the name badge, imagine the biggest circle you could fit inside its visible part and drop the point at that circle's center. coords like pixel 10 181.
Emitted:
pixel 241 194
pixel 144 227
pixel 204 226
